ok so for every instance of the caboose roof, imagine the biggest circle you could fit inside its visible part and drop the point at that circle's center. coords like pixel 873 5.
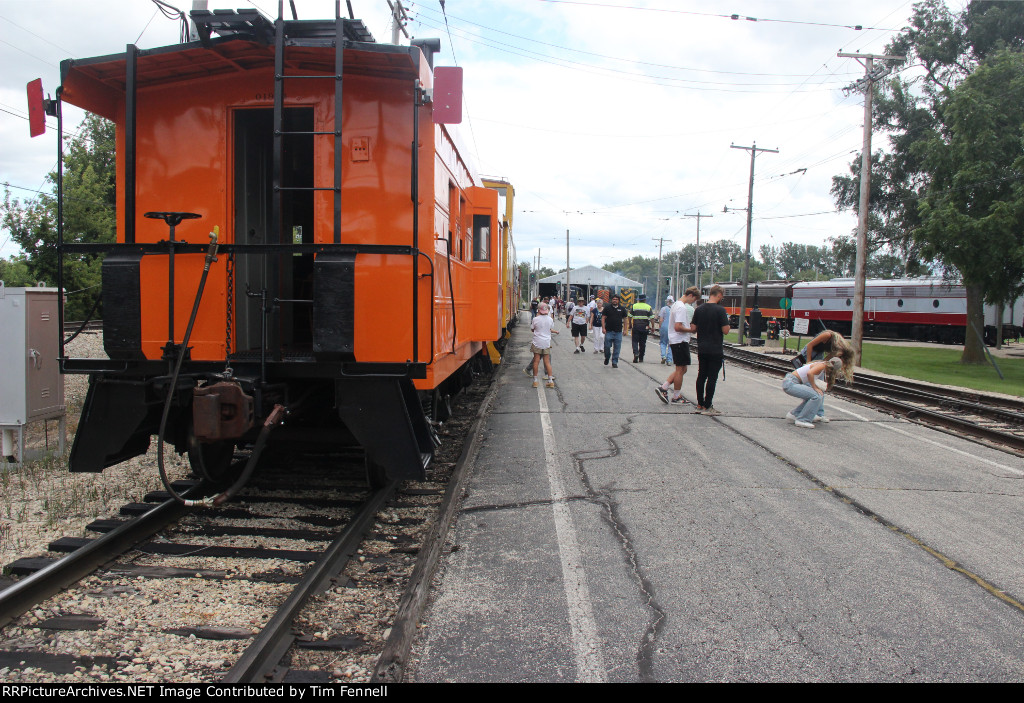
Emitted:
pixel 98 84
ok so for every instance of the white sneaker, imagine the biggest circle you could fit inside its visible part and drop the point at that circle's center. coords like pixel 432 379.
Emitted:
pixel 821 418
pixel 791 417
pixel 807 425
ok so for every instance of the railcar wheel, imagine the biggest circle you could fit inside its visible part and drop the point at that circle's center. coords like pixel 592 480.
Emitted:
pixel 213 462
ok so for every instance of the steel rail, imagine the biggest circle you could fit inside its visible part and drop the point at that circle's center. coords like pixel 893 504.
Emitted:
pixel 64 572
pixel 1006 409
pixel 260 660
pixel 911 412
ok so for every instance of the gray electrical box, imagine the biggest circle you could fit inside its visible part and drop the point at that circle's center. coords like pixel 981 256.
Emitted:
pixel 31 385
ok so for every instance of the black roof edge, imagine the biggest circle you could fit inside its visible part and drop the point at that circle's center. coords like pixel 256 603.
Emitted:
pixel 67 64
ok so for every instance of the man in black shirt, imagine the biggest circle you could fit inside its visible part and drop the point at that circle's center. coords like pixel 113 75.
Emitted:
pixel 611 323
pixel 712 323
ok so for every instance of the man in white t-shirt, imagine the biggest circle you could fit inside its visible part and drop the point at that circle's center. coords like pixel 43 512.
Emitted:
pixel 543 327
pixel 679 328
pixel 577 321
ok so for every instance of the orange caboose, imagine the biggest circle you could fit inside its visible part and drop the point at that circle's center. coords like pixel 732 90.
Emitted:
pixel 358 265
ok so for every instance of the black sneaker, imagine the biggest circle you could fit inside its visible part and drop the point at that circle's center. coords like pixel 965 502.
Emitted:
pixel 606 361
pixel 662 394
pixel 582 348
pixel 635 359
pixel 576 352
pixel 615 366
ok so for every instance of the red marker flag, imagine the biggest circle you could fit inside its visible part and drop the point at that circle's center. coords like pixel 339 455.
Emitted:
pixel 36 112
pixel 447 95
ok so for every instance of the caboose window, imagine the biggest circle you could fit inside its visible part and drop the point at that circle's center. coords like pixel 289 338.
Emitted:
pixel 481 238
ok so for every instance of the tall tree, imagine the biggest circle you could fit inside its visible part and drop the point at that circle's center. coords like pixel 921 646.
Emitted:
pixel 972 213
pixel 917 180
pixel 89 216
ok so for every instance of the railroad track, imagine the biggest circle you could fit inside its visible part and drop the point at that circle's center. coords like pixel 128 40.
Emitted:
pixel 89 326
pixel 243 593
pixel 996 421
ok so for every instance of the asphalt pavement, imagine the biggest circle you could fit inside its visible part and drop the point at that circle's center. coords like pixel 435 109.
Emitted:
pixel 606 536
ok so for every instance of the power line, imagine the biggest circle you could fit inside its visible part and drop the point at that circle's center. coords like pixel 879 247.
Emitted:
pixel 856 27
pixel 620 59
pixel 607 72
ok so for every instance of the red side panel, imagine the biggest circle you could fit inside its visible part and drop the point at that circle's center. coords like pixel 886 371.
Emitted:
pixel 36 115
pixel 448 95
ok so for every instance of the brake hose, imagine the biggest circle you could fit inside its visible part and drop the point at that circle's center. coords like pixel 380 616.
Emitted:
pixel 211 256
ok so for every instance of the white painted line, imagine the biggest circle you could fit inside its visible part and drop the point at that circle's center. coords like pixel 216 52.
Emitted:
pixel 944 446
pixel 583 627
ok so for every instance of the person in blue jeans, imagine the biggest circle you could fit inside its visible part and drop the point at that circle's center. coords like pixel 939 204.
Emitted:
pixel 825 346
pixel 611 323
pixel 802 384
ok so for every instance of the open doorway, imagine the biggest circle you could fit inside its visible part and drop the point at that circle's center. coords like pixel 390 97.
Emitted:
pixel 285 276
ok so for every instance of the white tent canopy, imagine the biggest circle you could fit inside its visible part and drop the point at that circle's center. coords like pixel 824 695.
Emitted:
pixel 593 277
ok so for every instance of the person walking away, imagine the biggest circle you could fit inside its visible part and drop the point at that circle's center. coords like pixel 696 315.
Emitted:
pixel 802 384
pixel 640 314
pixel 578 322
pixel 533 308
pixel 611 325
pixel 596 314
pixel 712 324
pixel 679 329
pixel 663 328
pixel 542 327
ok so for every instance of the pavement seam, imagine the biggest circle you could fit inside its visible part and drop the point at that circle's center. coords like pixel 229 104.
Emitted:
pixel 524 504
pixel 946 561
pixel 645 653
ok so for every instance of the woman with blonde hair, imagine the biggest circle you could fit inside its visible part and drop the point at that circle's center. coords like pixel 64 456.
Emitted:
pixel 802 383
pixel 827 345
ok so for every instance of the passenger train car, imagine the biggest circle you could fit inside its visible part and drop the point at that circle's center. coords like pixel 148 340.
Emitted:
pixel 925 309
pixel 304 256
pixel 769 299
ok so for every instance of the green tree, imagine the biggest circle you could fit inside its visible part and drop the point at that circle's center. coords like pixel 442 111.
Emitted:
pixel 917 184
pixel 972 213
pixel 15 272
pixel 89 216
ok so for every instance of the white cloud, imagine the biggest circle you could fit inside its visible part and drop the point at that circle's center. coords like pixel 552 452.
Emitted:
pixel 614 139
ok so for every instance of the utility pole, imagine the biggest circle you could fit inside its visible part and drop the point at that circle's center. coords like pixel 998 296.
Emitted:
pixel 538 272
pixel 872 73
pixel 750 212
pixel 675 279
pixel 657 289
pixel 566 266
pixel 696 258
pixel 398 20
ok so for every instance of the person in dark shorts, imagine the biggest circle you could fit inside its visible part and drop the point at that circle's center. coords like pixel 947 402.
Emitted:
pixel 577 320
pixel 679 329
pixel 712 323
pixel 611 323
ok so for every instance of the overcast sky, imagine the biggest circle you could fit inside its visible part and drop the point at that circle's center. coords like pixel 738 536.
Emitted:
pixel 612 118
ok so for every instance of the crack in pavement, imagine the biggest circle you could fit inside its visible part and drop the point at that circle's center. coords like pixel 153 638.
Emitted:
pixel 864 510
pixel 645 653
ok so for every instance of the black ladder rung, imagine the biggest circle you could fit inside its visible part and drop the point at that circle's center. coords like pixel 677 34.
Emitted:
pixel 280 76
pixel 284 134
